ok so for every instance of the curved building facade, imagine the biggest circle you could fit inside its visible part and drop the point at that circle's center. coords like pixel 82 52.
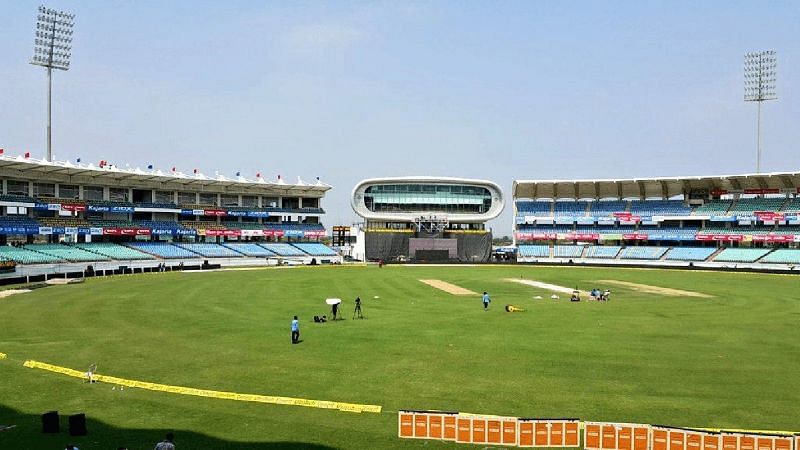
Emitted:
pixel 426 218
pixel 405 199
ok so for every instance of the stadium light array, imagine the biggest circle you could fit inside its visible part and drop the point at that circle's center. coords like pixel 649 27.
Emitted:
pixel 52 49
pixel 760 74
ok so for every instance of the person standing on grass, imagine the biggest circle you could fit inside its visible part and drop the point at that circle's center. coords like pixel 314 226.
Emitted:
pixel 295 331
pixel 167 443
pixel 486 301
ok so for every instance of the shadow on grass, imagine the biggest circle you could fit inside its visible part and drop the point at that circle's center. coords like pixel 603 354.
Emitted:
pixel 27 435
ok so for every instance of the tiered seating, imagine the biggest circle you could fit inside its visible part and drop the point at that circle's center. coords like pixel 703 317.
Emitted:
pixel 603 251
pixel 534 251
pixel 162 205
pixel 690 253
pixel 541 207
pixel 783 256
pixel 64 222
pixel 200 225
pixel 605 229
pixel 569 208
pixel 713 208
pixel 112 223
pixel 685 232
pixel 546 229
pixel 26 256
pixel 162 250
pixel 243 225
pixel 293 226
pixel 211 250
pixel 643 252
pixel 66 252
pixel 249 249
pixel 608 207
pixel 18 221
pixel 17 198
pixel 749 205
pixel 160 224
pixel 744 255
pixel 281 249
pixel 792 206
pixel 315 249
pixel 114 251
pixel 568 251
pixel 659 208
pixel 110 203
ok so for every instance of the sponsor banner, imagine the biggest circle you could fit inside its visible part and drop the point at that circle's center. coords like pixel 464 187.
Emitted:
pixel 718 192
pixel 237 213
pixel 774 238
pixel 719 237
pixel 293 233
pixel 111 209
pixel 565 220
pixel 250 233
pixel 125 231
pixel 606 221
pixel 611 237
pixel 45 230
pixel 769 215
pixel 635 237
pixel 163 231
pixel 583 236
pixel 186 232
pixel 72 207
pixel 762 191
pixel 722 218
pixel 585 220
pixel 214 212
pixel 314 234
pixel 96 231
pixel 40 206
pixel 257 214
pixel 628 222
pixel 70 230
pixel 276 233
pixel 649 222
pixel 745 222
pixel 223 233
pixel 54 206
pixel 191 212
pixel 627 217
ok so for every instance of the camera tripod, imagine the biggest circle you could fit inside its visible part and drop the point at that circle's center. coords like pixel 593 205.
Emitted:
pixel 357 311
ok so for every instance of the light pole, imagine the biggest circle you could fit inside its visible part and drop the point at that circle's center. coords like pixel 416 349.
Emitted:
pixel 760 72
pixel 51 50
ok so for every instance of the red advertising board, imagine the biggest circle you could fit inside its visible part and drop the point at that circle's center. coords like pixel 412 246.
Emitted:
pixel 223 232
pixel 583 236
pixel 125 231
pixel 769 215
pixel 524 236
pixel 719 237
pixel 762 191
pixel 73 207
pixel 774 238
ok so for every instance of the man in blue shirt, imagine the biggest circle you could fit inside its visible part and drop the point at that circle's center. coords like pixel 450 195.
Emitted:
pixel 295 331
pixel 486 301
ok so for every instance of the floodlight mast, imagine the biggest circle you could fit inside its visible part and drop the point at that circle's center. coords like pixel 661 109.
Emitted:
pixel 52 50
pixel 760 73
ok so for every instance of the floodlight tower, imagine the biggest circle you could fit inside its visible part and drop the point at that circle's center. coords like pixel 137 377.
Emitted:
pixel 760 72
pixel 51 50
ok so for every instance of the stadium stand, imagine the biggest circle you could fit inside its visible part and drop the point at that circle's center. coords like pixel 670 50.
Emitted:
pixel 570 208
pixel 713 207
pixel 64 222
pixel 281 249
pixel 659 208
pixel 111 223
pixel 211 250
pixel 568 251
pixel 114 251
pixel 792 205
pixel 603 251
pixel 249 249
pixel 315 249
pixel 201 225
pixel 231 225
pixel 608 207
pixel 162 250
pixel 742 255
pixel 18 221
pixel 17 198
pixel 27 256
pixel 160 224
pixel 750 205
pixel 534 251
pixel 544 208
pixel 67 253
pixel 690 253
pixel 643 252
pixel 783 256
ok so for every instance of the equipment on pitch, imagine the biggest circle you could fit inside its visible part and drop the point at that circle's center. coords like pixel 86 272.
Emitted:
pixel 357 309
pixel 50 422
pixel 512 308
pixel 334 302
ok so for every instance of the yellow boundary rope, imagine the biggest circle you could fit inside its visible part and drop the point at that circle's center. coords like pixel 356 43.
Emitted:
pixel 321 404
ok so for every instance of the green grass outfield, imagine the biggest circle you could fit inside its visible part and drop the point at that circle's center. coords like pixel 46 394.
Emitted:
pixel 728 361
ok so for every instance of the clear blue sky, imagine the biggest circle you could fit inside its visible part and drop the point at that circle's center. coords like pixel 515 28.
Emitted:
pixel 348 90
